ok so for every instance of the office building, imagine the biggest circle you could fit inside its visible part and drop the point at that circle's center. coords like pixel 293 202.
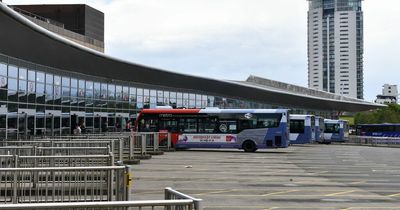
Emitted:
pixel 389 95
pixel 335 47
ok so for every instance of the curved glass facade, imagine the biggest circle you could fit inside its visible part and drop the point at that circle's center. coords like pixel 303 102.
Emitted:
pixel 39 100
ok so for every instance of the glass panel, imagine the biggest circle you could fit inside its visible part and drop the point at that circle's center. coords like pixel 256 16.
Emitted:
pixel 153 92
pixel 74 83
pixel 57 92
pixel 118 91
pixel 97 91
pixel 125 94
pixel 132 91
pixel 31 75
pixel 103 91
pixel 81 88
pixel 57 80
pixel 74 92
pixel 49 79
pixel 31 87
pixel 12 84
pixel 12 71
pixel 39 89
pixel 111 92
pixel 49 93
pixel 22 73
pixel 40 76
pixel 3 69
pixel 22 86
pixel 65 92
pixel 3 82
pixel 65 81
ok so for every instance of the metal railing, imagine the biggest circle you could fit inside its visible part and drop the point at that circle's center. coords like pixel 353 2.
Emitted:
pixel 15 161
pixel 174 200
pixel 135 145
pixel 374 141
pixel 64 184
pixel 171 194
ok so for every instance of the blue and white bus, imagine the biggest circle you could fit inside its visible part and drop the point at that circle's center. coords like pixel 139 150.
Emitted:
pixel 319 129
pixel 336 131
pixel 247 129
pixel 302 129
pixel 379 130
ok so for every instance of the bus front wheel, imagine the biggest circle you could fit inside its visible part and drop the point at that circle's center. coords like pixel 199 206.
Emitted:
pixel 249 146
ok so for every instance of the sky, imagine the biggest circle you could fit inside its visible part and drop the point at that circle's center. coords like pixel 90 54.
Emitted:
pixel 232 39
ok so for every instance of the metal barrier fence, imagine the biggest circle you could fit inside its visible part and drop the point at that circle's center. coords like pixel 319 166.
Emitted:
pixel 64 184
pixel 42 151
pixel 374 141
pixel 174 201
pixel 15 161
pixel 171 194
pixel 136 145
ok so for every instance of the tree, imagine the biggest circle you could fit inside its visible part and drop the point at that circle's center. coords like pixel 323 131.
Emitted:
pixel 389 114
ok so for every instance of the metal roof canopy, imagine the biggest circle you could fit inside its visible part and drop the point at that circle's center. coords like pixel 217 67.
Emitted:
pixel 23 39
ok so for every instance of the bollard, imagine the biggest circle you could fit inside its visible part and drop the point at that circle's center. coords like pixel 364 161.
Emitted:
pixel 127 182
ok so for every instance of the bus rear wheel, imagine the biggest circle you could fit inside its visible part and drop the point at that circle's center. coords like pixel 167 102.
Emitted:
pixel 249 146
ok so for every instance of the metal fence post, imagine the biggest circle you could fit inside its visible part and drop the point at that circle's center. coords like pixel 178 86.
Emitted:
pixel 156 141
pixel 121 148
pixel 15 181
pixel 169 143
pixel 143 146
pixel 131 146
pixel 167 196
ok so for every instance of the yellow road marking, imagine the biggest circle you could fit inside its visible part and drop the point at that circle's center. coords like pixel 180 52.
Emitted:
pixel 340 193
pixel 394 195
pixel 216 192
pixel 278 193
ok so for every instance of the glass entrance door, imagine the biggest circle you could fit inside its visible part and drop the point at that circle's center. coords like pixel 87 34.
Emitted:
pixel 40 124
pixel 49 125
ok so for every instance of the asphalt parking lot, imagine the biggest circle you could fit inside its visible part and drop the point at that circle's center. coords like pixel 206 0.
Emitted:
pixel 299 177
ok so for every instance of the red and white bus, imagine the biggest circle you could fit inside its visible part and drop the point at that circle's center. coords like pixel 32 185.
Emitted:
pixel 248 129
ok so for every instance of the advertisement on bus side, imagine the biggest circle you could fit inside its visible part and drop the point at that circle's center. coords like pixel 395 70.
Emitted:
pixel 207 138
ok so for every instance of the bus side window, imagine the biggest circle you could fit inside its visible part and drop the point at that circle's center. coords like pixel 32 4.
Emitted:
pixel 207 125
pixel 245 124
pixel 227 126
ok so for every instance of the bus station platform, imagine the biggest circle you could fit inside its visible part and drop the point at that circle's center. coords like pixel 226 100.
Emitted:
pixel 299 177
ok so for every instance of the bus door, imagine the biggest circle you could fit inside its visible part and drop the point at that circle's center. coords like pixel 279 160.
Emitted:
pixel 168 126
